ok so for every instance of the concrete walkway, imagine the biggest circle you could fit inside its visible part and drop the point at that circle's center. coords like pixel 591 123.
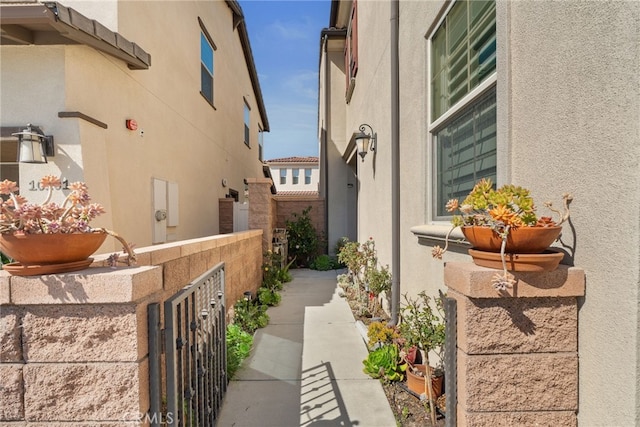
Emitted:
pixel 305 368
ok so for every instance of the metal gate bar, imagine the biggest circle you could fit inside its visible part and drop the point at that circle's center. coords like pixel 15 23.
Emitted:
pixel 195 353
pixel 451 361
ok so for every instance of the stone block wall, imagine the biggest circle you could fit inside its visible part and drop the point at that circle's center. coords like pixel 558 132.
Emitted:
pixel 289 205
pixel 268 211
pixel 74 346
pixel 517 350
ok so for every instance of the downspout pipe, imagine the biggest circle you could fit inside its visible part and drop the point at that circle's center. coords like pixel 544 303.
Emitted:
pixel 395 162
pixel 323 136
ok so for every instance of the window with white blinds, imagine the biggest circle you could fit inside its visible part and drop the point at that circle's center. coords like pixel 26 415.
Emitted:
pixel 466 151
pixel 463 55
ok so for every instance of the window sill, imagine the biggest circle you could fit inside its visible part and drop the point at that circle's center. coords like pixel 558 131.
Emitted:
pixel 208 100
pixel 430 234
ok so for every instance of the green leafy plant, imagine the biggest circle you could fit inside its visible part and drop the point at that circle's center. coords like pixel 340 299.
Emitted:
pixel 303 238
pixel 250 316
pixel 423 325
pixel 338 248
pixel 324 263
pixel 239 344
pixel 269 297
pixel 385 363
pixel 378 281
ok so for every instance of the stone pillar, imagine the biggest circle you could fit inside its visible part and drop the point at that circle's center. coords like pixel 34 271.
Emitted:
pixel 517 351
pixel 262 209
pixel 74 347
pixel 225 207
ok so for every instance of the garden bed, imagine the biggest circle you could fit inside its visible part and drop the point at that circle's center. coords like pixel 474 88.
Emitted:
pixel 407 408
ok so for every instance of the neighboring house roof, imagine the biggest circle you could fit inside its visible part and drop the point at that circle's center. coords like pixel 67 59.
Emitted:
pixel 238 21
pixel 297 193
pixel 52 23
pixel 313 160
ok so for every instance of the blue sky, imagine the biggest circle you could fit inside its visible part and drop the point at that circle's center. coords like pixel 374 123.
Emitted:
pixel 285 40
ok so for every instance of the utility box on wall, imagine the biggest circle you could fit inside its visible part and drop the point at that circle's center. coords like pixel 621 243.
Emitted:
pixel 165 208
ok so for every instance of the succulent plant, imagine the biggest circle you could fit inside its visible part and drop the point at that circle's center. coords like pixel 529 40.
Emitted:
pixel 502 210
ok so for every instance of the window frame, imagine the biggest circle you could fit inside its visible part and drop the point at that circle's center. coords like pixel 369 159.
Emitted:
pixel 247 122
pixel 308 173
pixel 448 116
pixel 206 37
pixel 295 176
pixel 351 51
pixel 260 143
pixel 283 176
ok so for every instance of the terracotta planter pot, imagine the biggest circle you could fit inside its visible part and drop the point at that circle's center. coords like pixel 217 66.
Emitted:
pixel 417 384
pixel 49 253
pixel 521 240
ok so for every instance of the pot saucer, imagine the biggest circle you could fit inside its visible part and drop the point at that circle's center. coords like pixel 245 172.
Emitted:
pixel 17 269
pixel 546 261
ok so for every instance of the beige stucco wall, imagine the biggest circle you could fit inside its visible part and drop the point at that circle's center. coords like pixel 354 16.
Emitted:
pixel 577 114
pixel 568 107
pixel 185 139
pixel 341 186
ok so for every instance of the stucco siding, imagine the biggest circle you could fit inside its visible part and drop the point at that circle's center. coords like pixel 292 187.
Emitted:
pixel 575 110
pixel 181 138
pixel 568 120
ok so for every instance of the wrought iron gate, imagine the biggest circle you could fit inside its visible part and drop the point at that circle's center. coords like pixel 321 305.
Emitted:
pixel 195 353
pixel 451 361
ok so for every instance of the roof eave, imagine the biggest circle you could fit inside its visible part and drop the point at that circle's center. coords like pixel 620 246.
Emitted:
pixel 248 55
pixel 64 25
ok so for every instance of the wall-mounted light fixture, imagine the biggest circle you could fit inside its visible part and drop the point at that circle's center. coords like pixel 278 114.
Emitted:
pixel 34 145
pixel 365 141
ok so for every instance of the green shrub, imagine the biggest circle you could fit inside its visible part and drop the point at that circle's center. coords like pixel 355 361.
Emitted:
pixel 324 263
pixel 239 344
pixel 250 316
pixel 303 238
pixel 269 297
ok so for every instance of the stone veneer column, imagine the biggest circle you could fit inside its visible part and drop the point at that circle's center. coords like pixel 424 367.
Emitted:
pixel 262 209
pixel 73 347
pixel 517 351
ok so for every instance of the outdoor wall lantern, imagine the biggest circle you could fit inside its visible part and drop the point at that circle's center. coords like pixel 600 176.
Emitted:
pixel 365 141
pixel 34 145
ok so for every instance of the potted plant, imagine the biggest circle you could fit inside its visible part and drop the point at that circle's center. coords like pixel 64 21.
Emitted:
pixel 504 221
pixel 49 237
pixel 423 328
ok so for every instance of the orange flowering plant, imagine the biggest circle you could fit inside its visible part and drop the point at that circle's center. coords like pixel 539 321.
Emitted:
pixel 19 216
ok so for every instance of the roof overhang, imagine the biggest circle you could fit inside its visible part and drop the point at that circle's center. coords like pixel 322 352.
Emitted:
pixel 351 150
pixel 267 174
pixel 239 23
pixel 51 23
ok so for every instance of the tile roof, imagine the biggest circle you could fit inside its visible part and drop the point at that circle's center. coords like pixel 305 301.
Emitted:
pixel 297 193
pixel 294 160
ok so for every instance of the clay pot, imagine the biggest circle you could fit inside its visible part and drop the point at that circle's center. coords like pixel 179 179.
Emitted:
pixel 521 240
pixel 49 253
pixel 417 384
